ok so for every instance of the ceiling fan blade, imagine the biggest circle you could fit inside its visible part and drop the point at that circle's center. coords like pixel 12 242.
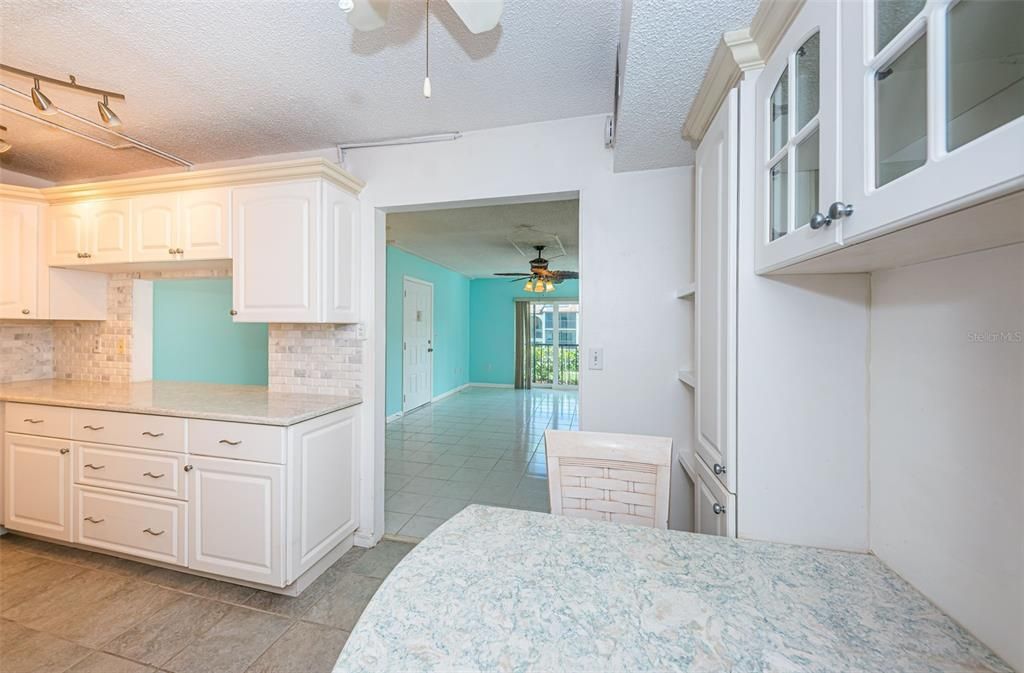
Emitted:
pixel 367 15
pixel 567 275
pixel 479 16
pixel 519 274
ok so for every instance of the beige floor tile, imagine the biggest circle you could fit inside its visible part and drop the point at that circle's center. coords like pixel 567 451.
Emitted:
pixel 297 606
pixel 99 662
pixel 305 648
pixel 380 560
pixel 30 582
pixel 165 633
pixel 28 651
pixel 201 586
pixel 342 605
pixel 235 642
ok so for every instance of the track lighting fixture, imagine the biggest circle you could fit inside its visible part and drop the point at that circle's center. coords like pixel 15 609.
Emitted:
pixel 42 103
pixel 4 145
pixel 106 114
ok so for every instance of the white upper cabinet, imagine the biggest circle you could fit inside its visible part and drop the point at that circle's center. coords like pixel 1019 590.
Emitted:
pixel 798 149
pixel 296 253
pixel 91 232
pixel 19 252
pixel 934 108
pixel 275 265
pixel 154 234
pixel 192 225
pixel 204 224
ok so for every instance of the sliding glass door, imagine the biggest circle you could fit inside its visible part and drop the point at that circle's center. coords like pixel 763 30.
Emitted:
pixel 555 344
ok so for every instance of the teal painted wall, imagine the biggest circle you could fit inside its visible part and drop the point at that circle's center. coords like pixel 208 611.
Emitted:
pixel 194 338
pixel 492 326
pixel 451 324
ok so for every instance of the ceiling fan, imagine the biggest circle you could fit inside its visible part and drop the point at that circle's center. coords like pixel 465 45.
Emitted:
pixel 540 278
pixel 479 16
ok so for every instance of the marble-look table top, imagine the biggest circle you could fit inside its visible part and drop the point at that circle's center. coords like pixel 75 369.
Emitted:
pixel 245 404
pixel 504 590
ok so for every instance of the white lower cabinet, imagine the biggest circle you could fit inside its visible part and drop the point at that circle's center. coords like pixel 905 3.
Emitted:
pixel 236 519
pixel 144 526
pixel 37 474
pixel 256 503
pixel 714 508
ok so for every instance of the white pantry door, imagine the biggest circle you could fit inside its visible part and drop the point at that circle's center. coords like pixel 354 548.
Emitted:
pixel 417 343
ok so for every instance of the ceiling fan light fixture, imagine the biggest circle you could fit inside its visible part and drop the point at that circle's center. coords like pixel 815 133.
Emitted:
pixel 107 115
pixel 549 286
pixel 529 285
pixel 42 103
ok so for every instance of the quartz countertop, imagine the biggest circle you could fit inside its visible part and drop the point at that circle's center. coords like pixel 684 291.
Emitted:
pixel 504 590
pixel 245 404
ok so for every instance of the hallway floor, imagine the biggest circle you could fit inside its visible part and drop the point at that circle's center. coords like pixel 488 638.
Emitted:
pixel 482 445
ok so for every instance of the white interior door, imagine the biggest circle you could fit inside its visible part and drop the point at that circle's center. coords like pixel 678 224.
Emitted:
pixel 417 343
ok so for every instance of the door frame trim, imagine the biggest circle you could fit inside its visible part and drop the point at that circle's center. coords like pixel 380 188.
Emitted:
pixel 427 283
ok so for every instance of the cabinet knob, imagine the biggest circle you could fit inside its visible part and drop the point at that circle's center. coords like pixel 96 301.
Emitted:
pixel 179 251
pixel 717 509
pixel 233 312
pixel 25 311
pixel 86 255
pixel 188 468
pixel 818 221
pixel 80 255
pixel 171 251
pixel 839 210
pixel 719 469
pixel 65 451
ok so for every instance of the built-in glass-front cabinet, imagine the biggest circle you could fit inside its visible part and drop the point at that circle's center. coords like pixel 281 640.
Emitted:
pixel 903 109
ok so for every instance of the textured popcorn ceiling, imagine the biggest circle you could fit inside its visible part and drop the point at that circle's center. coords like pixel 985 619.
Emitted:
pixel 670 46
pixel 478 242
pixel 219 80
pixel 214 80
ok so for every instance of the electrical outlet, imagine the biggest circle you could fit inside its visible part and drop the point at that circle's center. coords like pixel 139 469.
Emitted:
pixel 361 331
pixel 122 345
pixel 97 345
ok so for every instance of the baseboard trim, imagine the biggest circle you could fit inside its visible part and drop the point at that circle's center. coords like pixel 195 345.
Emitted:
pixel 453 391
pixel 393 417
pixel 491 385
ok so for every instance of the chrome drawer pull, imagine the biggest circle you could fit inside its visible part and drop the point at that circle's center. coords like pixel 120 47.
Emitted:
pixel 93 427
pixel 33 421
pixel 150 474
pixel 153 434
pixel 94 467
pixel 92 520
pixel 153 532
pixel 229 442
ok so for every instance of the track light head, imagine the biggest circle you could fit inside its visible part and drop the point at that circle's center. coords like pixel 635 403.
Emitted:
pixel 4 145
pixel 42 103
pixel 107 115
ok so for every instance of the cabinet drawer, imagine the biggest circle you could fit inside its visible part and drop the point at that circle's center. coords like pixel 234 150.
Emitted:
pixel 135 470
pixel 244 441
pixel 139 525
pixel 36 419
pixel 163 433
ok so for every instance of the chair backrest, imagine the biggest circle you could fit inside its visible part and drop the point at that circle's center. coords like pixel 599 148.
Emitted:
pixel 609 476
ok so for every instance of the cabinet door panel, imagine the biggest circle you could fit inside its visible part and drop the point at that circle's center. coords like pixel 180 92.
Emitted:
pixel 68 238
pixel 274 227
pixel 716 226
pixel 155 226
pixel 205 231
pixel 37 486
pixel 235 511
pixel 341 263
pixel 798 149
pixel 714 509
pixel 110 232
pixel 19 260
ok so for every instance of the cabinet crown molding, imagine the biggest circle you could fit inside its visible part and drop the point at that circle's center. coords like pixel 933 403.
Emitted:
pixel 737 52
pixel 213 177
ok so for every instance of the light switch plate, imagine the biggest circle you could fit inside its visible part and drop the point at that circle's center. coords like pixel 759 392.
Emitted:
pixel 595 358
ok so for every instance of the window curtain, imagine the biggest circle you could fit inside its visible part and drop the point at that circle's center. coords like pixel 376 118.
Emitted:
pixel 523 351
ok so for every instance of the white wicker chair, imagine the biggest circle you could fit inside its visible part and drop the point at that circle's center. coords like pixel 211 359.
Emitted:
pixel 609 477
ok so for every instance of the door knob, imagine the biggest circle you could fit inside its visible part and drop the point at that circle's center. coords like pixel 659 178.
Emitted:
pixel 233 312
pixel 717 509
pixel 430 350
pixel 839 210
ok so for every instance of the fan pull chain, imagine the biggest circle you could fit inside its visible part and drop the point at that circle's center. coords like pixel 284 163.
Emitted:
pixel 426 79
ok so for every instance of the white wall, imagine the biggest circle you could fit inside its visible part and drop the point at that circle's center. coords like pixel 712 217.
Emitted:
pixel 9 177
pixel 634 251
pixel 947 437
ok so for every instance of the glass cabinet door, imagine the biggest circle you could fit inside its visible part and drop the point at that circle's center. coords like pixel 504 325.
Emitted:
pixel 933 109
pixel 798 145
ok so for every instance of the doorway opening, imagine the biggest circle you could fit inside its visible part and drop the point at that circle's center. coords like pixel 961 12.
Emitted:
pixel 554 344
